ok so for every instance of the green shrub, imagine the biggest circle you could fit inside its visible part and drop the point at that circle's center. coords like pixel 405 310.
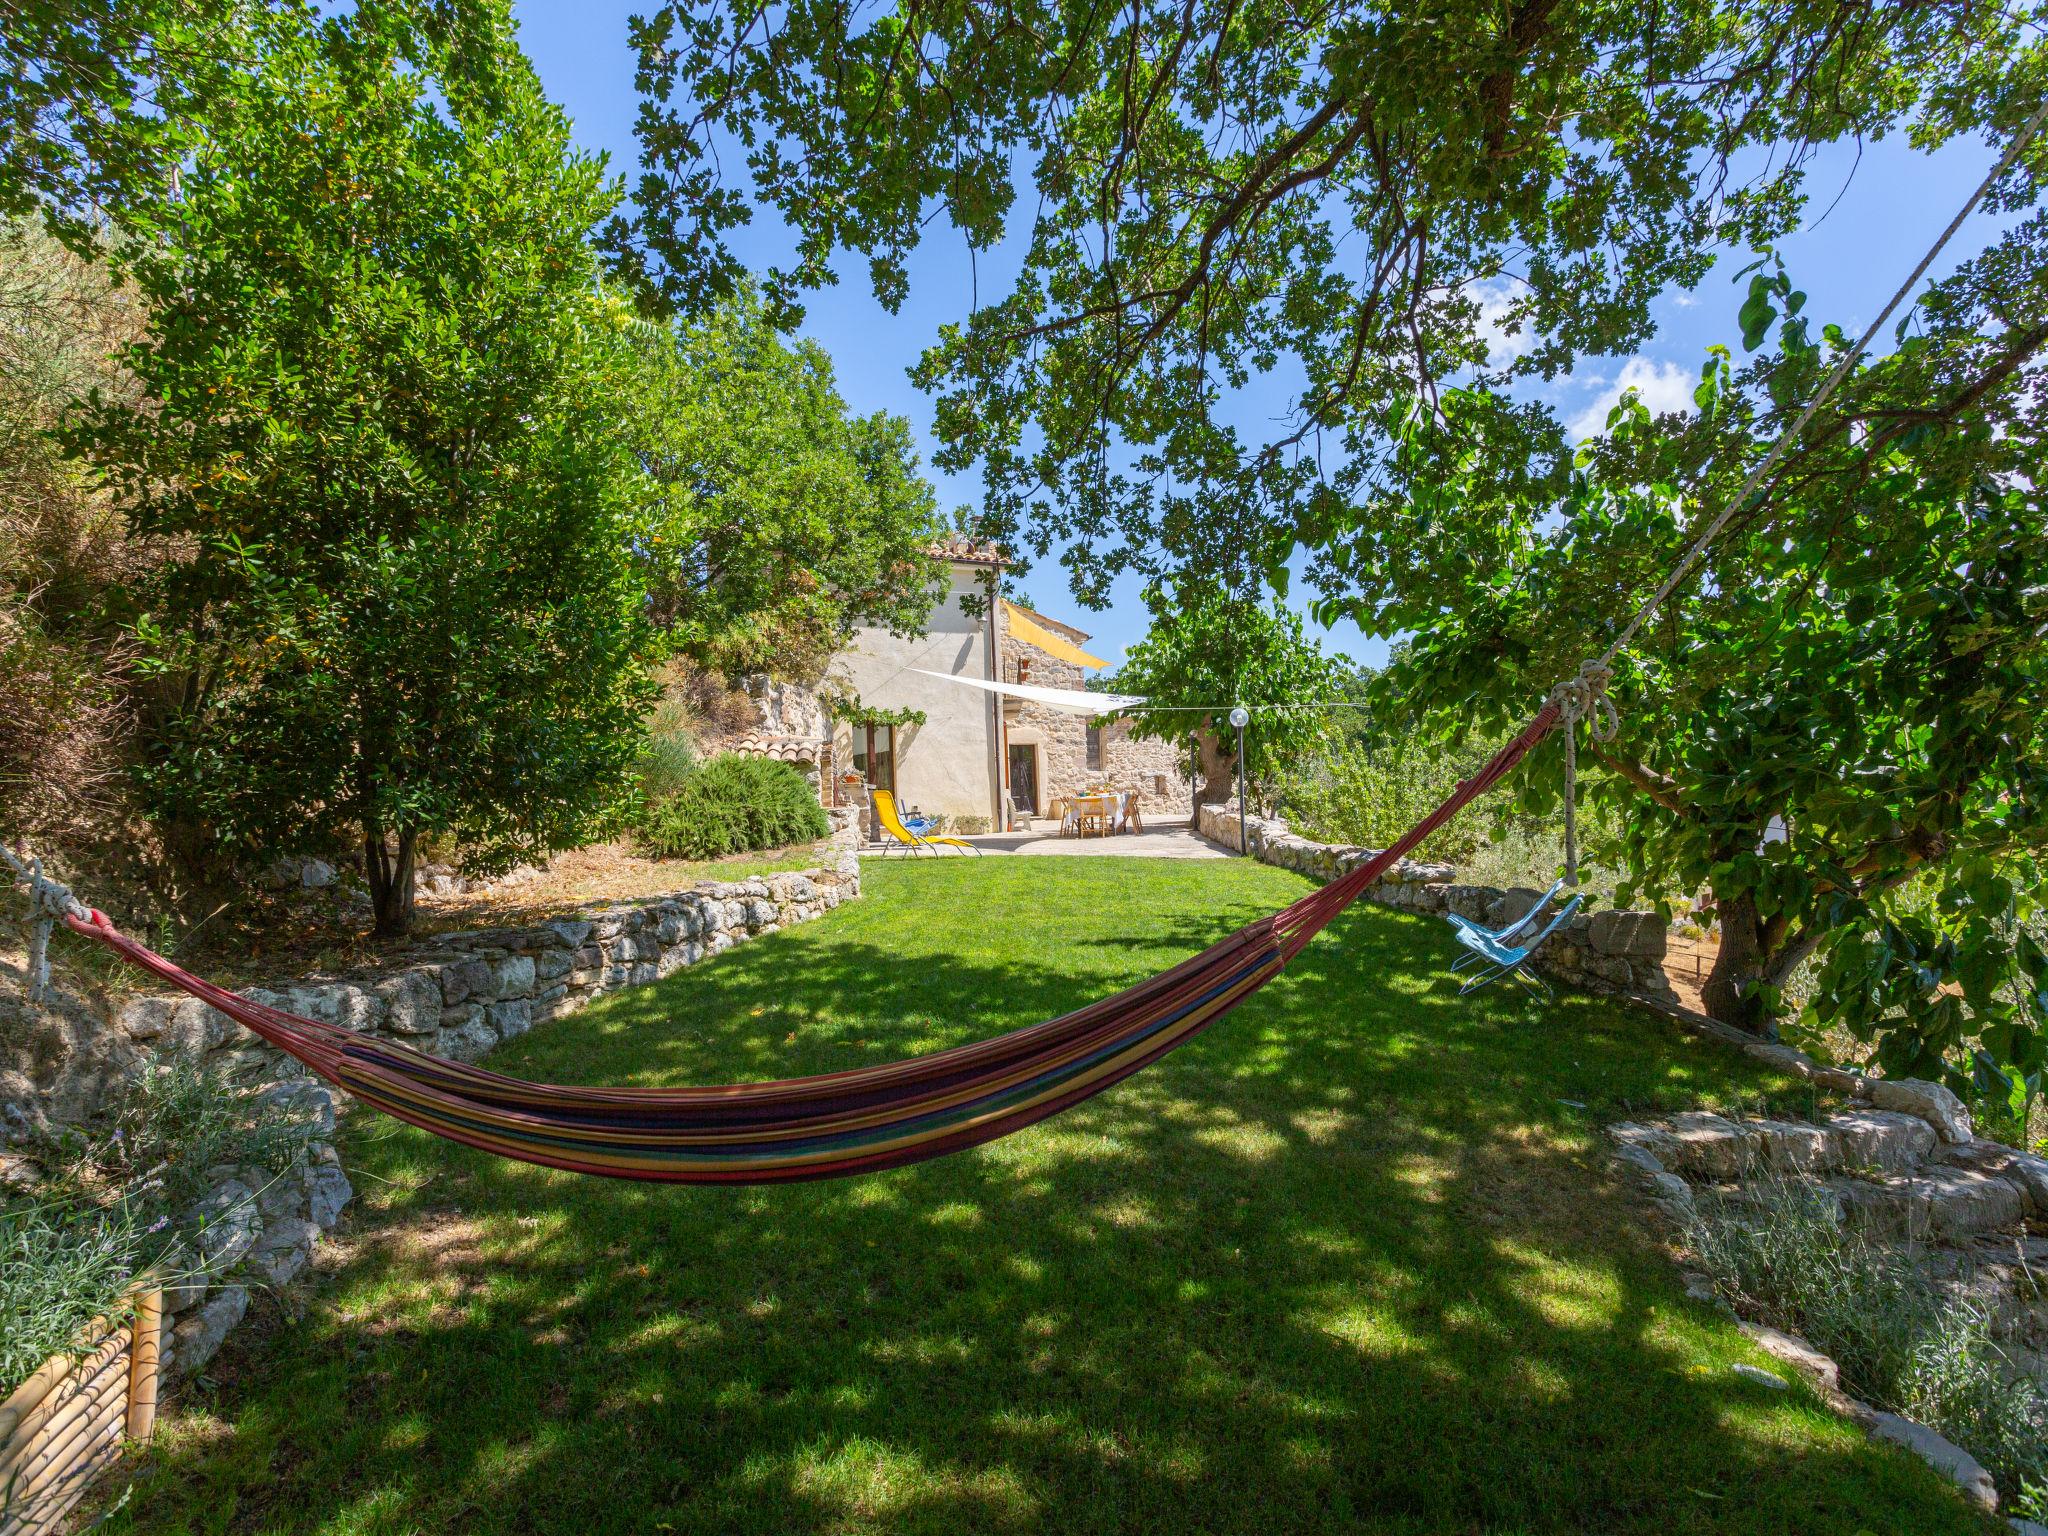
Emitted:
pixel 732 804
pixel 60 1267
pixel 1902 1342
pixel 669 756
pixel 183 1118
pixel 1369 795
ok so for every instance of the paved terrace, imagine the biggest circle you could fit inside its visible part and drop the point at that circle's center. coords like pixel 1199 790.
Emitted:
pixel 1159 840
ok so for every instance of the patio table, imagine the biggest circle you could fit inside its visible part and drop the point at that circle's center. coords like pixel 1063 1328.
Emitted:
pixel 1100 809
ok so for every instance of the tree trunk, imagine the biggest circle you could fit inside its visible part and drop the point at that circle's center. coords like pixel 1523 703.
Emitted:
pixel 1744 958
pixel 1216 766
pixel 391 879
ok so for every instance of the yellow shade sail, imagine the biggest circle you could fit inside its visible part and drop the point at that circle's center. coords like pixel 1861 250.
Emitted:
pixel 1026 626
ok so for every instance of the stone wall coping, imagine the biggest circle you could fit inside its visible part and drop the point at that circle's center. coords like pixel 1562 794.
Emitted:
pixel 1614 952
pixel 459 994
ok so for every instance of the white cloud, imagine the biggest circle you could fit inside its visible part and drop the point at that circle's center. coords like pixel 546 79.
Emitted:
pixel 1495 299
pixel 1661 386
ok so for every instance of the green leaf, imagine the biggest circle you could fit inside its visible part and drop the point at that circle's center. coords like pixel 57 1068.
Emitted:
pixel 1757 313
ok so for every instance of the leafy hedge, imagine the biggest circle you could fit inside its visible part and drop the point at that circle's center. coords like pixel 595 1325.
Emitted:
pixel 733 804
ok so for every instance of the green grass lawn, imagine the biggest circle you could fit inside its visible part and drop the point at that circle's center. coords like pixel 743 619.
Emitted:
pixel 1351 1261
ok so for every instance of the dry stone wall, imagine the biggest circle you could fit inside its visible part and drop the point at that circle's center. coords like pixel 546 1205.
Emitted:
pixel 460 994
pixel 456 996
pixel 1616 952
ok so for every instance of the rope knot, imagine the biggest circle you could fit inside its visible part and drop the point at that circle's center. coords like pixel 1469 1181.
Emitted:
pixel 1582 697
pixel 49 902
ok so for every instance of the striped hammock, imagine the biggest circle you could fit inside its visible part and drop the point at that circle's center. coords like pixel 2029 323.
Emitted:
pixel 818 1127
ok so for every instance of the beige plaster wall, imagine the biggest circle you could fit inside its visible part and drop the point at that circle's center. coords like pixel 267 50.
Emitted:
pixel 944 766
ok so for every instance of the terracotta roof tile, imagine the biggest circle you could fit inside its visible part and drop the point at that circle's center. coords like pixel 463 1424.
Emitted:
pixel 968 551
pixel 787 749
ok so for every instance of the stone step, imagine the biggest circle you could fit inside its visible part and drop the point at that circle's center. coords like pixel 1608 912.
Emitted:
pixel 2003 1278
pixel 1702 1145
pixel 2025 1169
pixel 1932 1203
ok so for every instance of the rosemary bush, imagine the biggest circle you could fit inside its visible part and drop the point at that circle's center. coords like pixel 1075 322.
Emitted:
pixel 1902 1342
pixel 111 1210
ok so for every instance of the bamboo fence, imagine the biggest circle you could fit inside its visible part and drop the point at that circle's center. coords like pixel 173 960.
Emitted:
pixel 68 1422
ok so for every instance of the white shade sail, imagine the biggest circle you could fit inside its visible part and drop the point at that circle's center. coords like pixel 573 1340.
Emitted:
pixel 1074 701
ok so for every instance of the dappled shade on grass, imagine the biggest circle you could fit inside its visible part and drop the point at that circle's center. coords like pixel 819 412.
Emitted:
pixel 1350 1261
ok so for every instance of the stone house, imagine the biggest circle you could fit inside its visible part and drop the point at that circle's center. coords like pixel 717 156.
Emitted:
pixel 979 759
pixel 1050 753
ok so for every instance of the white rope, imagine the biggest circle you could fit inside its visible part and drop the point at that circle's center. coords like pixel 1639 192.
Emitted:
pixel 49 901
pixel 1583 697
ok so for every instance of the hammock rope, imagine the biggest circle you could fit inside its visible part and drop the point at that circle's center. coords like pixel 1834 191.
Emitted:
pixel 878 1117
pixel 1581 697
pixel 829 1126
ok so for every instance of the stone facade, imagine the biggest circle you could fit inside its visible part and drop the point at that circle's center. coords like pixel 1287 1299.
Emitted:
pixel 1060 740
pixel 1616 952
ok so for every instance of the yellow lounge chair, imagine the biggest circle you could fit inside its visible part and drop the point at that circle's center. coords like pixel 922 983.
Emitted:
pixel 885 813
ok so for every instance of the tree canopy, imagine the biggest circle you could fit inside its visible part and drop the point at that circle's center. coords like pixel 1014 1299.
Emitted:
pixel 97 98
pixel 1350 207
pixel 383 437
pixel 1207 651
pixel 782 521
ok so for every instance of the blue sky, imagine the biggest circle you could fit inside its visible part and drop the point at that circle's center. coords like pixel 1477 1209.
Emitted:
pixel 1892 201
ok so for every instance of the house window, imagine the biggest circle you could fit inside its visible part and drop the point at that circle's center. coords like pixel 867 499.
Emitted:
pixel 874 755
pixel 1094 748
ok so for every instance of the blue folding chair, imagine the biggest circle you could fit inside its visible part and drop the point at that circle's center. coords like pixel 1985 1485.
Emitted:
pixel 1498 959
pixel 1507 935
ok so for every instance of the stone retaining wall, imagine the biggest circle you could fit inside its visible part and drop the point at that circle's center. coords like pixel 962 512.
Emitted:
pixel 253 1229
pixel 1618 952
pixel 456 995
pixel 460 994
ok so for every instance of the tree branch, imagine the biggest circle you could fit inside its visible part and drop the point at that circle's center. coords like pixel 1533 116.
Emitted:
pixel 1664 791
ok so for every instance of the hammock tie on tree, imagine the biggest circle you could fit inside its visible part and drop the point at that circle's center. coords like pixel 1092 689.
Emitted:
pixel 814 1127
pixel 1581 697
pixel 49 903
